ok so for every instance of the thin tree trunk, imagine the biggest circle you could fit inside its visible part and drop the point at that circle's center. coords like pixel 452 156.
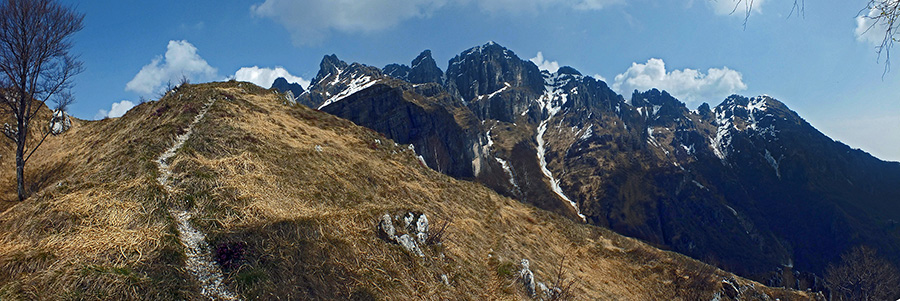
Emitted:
pixel 21 136
pixel 20 171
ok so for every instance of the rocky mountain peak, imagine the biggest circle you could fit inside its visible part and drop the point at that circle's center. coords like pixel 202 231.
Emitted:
pixel 488 68
pixel 425 70
pixel 337 80
pixel 398 71
pixel 281 84
pixel 658 107
pixel 704 110
pixel 748 110
pixel 568 70
pixel 424 56
pixel 330 65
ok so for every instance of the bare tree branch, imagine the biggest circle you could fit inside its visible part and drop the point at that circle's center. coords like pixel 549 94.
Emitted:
pixel 883 15
pixel 35 67
pixel 863 275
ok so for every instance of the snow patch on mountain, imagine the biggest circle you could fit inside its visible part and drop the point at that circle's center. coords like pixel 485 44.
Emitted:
pixel 774 163
pixel 337 76
pixel 356 85
pixel 753 113
pixel 552 101
pixel 508 170
pixel 721 144
pixel 501 90
pixel 689 149
pixel 587 133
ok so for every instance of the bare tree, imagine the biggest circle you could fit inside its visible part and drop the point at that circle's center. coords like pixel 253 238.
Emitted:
pixel 863 275
pixel 35 67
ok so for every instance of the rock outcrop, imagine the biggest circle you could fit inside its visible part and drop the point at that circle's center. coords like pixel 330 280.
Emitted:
pixel 411 236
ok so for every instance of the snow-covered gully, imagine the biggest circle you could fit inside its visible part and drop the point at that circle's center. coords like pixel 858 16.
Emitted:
pixel 199 260
pixel 554 183
pixel 552 102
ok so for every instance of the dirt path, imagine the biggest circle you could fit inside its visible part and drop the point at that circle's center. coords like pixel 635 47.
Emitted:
pixel 199 260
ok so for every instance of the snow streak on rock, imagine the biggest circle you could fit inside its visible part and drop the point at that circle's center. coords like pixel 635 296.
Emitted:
pixel 356 85
pixel 552 101
pixel 503 163
pixel 199 260
pixel 508 170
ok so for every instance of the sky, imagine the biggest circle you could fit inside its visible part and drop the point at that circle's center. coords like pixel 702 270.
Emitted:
pixel 819 61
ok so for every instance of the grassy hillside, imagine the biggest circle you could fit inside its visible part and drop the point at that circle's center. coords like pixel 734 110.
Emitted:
pixel 289 199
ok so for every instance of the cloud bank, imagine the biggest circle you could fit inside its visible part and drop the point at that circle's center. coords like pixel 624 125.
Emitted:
pixel 117 110
pixel 688 85
pixel 264 77
pixel 310 22
pixel 181 60
pixel 536 6
pixel 551 66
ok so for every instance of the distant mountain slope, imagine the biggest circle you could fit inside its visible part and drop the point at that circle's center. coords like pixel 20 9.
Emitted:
pixel 713 183
pixel 281 84
pixel 290 203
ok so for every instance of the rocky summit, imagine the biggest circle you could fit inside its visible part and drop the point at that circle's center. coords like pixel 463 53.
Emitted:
pixel 281 84
pixel 747 185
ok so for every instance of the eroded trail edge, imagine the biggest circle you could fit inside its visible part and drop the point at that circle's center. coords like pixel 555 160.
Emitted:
pixel 199 260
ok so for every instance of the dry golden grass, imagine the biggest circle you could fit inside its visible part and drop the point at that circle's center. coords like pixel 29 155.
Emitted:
pixel 295 194
pixel 96 224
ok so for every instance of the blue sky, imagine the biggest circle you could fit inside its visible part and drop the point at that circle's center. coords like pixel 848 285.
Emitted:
pixel 817 63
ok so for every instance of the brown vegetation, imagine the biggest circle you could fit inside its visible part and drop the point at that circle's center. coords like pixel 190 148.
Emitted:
pixel 863 275
pixel 287 196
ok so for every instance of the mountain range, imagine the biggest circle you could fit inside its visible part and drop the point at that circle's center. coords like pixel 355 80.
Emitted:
pixel 490 180
pixel 747 185
pixel 230 191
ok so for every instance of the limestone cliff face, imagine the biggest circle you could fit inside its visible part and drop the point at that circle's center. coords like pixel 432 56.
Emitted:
pixel 424 70
pixel 488 68
pixel 747 184
pixel 446 145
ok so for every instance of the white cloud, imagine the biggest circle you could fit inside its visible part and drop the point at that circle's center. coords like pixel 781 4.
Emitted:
pixel 181 59
pixel 867 30
pixel 687 85
pixel 600 77
pixel 595 4
pixel 117 110
pixel 264 77
pixel 542 64
pixel 311 21
pixel 736 7
pixel 535 6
